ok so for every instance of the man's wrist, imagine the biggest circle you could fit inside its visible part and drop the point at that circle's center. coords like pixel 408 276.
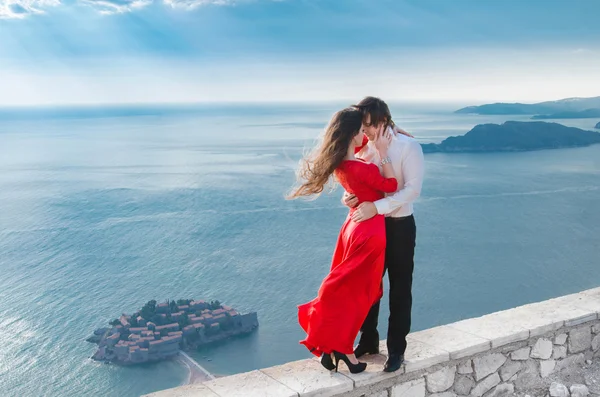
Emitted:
pixel 385 160
pixel 381 206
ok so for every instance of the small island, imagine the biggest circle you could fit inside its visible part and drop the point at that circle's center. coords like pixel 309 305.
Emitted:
pixel 514 136
pixel 584 114
pixel 159 331
pixel 597 126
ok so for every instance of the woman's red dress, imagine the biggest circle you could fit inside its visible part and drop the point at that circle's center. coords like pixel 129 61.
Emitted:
pixel 333 319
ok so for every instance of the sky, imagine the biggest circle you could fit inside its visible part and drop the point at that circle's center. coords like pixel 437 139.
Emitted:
pixel 55 52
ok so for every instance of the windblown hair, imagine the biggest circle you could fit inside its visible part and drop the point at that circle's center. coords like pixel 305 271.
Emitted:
pixel 317 167
pixel 377 109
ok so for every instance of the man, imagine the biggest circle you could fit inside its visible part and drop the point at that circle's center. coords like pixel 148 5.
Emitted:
pixel 406 157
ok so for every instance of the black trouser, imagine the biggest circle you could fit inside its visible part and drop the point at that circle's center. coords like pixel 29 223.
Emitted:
pixel 399 263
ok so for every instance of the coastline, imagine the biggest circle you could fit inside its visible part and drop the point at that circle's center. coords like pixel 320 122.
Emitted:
pixel 196 373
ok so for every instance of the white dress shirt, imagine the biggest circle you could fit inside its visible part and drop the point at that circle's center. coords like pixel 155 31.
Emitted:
pixel 408 163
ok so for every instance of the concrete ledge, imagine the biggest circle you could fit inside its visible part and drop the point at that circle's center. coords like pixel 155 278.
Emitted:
pixel 249 384
pixel 308 378
pixel 480 346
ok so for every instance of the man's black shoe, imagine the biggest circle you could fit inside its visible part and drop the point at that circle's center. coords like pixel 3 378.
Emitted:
pixel 393 362
pixel 362 350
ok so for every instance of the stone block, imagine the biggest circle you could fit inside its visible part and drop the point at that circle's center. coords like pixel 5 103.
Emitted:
pixel 581 320
pixel 509 369
pixel 559 352
pixel 591 381
pixel 465 368
pixel 547 367
pixel 558 390
pixel 463 385
pixel 560 339
pixel 580 339
pixel 521 354
pixel 552 314
pixel 499 328
pixel 374 372
pixel 542 349
pixel 502 390
pixel 440 380
pixel 596 328
pixel 382 393
pixel 596 343
pixel 579 391
pixel 197 390
pixel 529 377
pixel 487 364
pixel 539 318
pixel 588 301
pixel 415 388
pixel 485 385
pixel 309 378
pixel 421 355
pixel 458 343
pixel 570 362
pixel 250 384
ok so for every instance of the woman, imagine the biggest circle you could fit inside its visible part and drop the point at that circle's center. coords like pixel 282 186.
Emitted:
pixel 333 319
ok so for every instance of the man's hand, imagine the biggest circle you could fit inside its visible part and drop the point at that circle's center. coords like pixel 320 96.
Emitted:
pixel 349 200
pixel 399 130
pixel 365 211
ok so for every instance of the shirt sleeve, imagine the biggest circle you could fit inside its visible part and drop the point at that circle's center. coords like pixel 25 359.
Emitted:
pixel 373 179
pixel 413 170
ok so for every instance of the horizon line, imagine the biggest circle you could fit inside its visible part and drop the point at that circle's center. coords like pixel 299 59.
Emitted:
pixel 89 105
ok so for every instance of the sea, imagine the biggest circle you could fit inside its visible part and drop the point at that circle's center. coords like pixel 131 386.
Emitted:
pixel 103 210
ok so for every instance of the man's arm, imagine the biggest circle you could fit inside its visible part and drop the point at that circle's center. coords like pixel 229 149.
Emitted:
pixel 413 169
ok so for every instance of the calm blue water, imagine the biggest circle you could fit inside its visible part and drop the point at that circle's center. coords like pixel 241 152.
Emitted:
pixel 97 216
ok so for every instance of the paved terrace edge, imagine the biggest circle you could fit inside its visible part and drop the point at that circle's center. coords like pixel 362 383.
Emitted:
pixel 426 349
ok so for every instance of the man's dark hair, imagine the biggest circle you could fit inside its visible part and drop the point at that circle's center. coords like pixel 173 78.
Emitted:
pixel 377 109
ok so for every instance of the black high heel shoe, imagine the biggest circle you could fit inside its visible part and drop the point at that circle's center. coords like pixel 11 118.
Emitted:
pixel 327 362
pixel 354 368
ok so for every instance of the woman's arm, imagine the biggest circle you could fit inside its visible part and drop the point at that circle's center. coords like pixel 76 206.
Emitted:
pixel 382 143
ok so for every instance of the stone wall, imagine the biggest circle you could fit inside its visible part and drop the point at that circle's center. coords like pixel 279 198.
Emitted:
pixel 514 352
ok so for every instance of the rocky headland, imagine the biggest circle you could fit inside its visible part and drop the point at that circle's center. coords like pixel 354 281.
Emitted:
pixel 563 105
pixel 514 136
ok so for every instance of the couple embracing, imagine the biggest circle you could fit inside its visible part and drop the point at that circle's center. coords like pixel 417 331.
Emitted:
pixel 380 167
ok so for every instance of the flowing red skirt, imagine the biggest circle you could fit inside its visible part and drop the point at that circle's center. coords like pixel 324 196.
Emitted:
pixel 333 319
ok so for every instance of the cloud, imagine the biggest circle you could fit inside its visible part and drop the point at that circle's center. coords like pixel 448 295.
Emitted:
pixel 191 4
pixel 121 6
pixel 18 9
pixel 117 6
pixel 580 51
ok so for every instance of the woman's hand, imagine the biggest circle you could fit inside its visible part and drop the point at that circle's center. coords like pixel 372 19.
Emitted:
pixel 349 200
pixel 382 140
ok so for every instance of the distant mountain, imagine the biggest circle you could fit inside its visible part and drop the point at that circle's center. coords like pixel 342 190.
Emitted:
pixel 563 105
pixel 515 136
pixel 584 114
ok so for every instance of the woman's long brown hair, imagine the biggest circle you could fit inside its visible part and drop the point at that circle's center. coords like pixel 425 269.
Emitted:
pixel 316 168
